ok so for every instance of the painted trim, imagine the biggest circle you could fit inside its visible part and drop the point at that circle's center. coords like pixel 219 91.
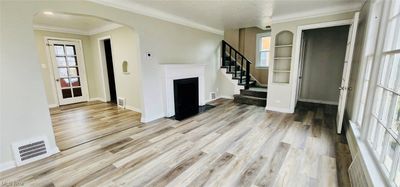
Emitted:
pixel 7 165
pixel 225 97
pixel 53 105
pixel 103 67
pixel 278 109
pixel 133 108
pixel 102 29
pixel 154 13
pixel 318 13
pixel 374 172
pixel 85 85
pixel 319 101
pixel 297 45
pixel 12 164
pixel 97 99
pixel 258 37
pixel 50 70
pixel 145 119
pixel 59 29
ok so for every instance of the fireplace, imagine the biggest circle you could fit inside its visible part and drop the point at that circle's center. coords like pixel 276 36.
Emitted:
pixel 176 72
pixel 186 97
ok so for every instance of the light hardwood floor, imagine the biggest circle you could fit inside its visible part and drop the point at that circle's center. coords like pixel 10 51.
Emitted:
pixel 229 145
pixel 79 123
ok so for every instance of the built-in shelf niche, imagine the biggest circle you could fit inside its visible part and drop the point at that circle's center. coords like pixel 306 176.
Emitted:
pixel 282 57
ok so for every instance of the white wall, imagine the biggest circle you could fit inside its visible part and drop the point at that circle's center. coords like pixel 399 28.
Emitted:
pixel 125 47
pixel 323 62
pixel 280 95
pixel 24 110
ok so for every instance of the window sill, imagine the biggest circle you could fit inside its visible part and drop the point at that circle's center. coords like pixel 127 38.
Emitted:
pixel 261 67
pixel 373 169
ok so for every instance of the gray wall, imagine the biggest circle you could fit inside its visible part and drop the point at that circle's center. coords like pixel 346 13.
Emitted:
pixel 323 63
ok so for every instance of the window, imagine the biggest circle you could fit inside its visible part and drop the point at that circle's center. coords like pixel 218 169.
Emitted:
pixel 384 120
pixel 363 90
pixel 263 50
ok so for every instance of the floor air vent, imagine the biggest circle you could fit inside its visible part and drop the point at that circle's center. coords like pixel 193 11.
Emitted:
pixel 30 150
pixel 121 102
pixel 213 95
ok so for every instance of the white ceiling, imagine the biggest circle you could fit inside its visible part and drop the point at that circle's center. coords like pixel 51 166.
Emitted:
pixel 217 15
pixel 76 24
pixel 209 15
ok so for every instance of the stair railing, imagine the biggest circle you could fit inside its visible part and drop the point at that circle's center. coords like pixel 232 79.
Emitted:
pixel 234 61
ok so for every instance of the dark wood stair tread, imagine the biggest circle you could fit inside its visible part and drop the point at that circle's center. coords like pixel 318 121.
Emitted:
pixel 250 100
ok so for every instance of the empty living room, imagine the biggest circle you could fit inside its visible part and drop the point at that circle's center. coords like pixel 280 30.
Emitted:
pixel 200 93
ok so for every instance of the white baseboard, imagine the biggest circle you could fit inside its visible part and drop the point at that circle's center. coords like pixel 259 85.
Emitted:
pixel 219 97
pixel 278 109
pixel 55 150
pixel 97 99
pixel 53 105
pixel 7 165
pixel 225 97
pixel 209 100
pixel 319 101
pixel 145 119
pixel 133 108
pixel 12 164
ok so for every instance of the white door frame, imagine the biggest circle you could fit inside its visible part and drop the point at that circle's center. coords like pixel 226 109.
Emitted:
pixel 85 88
pixel 296 69
pixel 103 68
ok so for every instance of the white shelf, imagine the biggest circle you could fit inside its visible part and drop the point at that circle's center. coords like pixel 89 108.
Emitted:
pixel 283 58
pixel 279 46
pixel 281 71
pixel 282 53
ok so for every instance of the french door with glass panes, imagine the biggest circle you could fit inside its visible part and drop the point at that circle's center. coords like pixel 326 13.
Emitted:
pixel 69 71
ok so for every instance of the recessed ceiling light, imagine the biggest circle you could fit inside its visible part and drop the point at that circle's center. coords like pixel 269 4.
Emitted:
pixel 48 13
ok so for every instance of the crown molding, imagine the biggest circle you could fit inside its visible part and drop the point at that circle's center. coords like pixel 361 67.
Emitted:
pixel 151 12
pixel 105 28
pixel 318 13
pixel 59 29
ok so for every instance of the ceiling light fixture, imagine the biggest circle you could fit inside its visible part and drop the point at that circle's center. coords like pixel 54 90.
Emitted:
pixel 48 13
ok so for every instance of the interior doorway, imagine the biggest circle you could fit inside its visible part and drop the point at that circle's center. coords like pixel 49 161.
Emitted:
pixel 348 60
pixel 106 56
pixel 321 64
pixel 69 70
pixel 110 70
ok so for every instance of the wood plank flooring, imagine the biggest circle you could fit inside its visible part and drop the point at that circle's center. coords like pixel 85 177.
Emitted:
pixel 79 123
pixel 229 145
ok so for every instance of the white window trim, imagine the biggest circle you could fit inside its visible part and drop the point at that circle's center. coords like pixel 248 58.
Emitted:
pixel 374 164
pixel 258 39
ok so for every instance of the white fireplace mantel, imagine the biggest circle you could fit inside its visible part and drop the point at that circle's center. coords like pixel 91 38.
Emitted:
pixel 181 71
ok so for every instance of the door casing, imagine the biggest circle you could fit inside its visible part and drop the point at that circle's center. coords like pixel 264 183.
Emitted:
pixel 82 67
pixel 297 55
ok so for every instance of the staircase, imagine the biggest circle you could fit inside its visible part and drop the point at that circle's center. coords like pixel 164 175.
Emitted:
pixel 237 65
